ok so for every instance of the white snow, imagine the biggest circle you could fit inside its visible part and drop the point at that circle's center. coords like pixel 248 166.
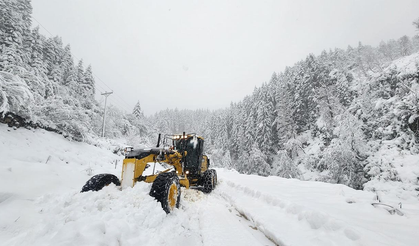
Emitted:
pixel 412 118
pixel 313 213
pixel 404 163
pixel 41 175
pixel 407 65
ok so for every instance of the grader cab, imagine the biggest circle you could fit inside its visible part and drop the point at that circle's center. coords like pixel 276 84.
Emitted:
pixel 186 164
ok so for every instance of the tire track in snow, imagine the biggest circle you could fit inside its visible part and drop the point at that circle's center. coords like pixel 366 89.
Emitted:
pixel 189 197
pixel 251 223
pixel 313 227
pixel 253 226
pixel 219 224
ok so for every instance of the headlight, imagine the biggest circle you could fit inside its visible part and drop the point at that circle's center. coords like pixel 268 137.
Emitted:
pixel 187 171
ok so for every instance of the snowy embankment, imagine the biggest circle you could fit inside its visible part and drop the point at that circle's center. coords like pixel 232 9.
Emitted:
pixel 36 162
pixel 40 204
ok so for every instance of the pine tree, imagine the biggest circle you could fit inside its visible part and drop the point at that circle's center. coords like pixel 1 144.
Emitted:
pixel 11 60
pixel 137 110
pixel 15 22
pixel 67 66
pixel 264 120
pixel 53 54
pixel 69 81
pixel 405 46
pixel 250 124
pixel 416 24
pixel 235 131
pixel 36 55
pixel 89 83
pixel 14 29
pixel 79 81
pixel 286 126
pixel 222 130
pixel 272 95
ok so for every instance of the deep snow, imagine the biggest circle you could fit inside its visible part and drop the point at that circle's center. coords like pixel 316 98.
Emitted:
pixel 41 175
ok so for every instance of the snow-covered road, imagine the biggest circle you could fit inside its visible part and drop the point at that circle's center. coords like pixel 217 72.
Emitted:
pixel 40 204
pixel 293 212
pixel 41 175
pixel 132 217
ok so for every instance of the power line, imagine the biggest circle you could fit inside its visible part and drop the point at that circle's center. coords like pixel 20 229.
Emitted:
pixel 110 89
pixel 42 25
pixel 106 94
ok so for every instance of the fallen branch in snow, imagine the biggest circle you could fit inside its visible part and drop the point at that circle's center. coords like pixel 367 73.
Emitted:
pixel 390 209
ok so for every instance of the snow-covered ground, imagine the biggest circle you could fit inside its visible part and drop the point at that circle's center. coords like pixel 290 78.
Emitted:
pixel 41 175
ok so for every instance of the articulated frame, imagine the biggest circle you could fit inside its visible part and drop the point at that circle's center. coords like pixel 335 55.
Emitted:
pixel 133 168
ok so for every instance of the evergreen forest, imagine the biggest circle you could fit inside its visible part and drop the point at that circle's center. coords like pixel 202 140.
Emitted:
pixel 323 118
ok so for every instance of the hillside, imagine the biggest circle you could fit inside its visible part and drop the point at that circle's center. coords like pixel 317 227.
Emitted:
pixel 328 117
pixel 42 174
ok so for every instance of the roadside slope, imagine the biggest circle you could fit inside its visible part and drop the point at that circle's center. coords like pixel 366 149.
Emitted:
pixel 36 162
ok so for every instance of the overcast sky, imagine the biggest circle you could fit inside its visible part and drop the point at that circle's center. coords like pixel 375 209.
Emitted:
pixel 205 54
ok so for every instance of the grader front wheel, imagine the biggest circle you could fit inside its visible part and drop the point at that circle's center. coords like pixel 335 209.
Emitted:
pixel 166 190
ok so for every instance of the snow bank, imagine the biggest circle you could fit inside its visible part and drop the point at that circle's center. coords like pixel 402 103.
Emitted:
pixel 35 162
pixel 406 66
pixel 397 177
pixel 294 212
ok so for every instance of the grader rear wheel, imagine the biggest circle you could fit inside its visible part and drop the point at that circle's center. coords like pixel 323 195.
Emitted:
pixel 215 177
pixel 99 181
pixel 208 181
pixel 166 190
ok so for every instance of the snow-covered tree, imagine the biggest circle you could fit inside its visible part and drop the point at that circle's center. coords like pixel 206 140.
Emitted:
pixel 284 166
pixel 15 95
pixel 264 120
pixel 286 126
pixel 88 83
pixel 258 162
pixel 405 46
pixel 137 110
pixel 345 155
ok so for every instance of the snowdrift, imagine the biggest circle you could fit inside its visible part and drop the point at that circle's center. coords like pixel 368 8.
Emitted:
pixel 41 175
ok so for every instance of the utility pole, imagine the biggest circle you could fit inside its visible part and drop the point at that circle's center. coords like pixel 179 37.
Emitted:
pixel 106 94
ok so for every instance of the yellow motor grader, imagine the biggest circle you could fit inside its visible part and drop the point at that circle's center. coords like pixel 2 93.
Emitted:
pixel 186 164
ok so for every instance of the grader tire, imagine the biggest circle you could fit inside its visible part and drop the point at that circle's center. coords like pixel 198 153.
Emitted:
pixel 166 190
pixel 215 177
pixel 99 181
pixel 208 181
